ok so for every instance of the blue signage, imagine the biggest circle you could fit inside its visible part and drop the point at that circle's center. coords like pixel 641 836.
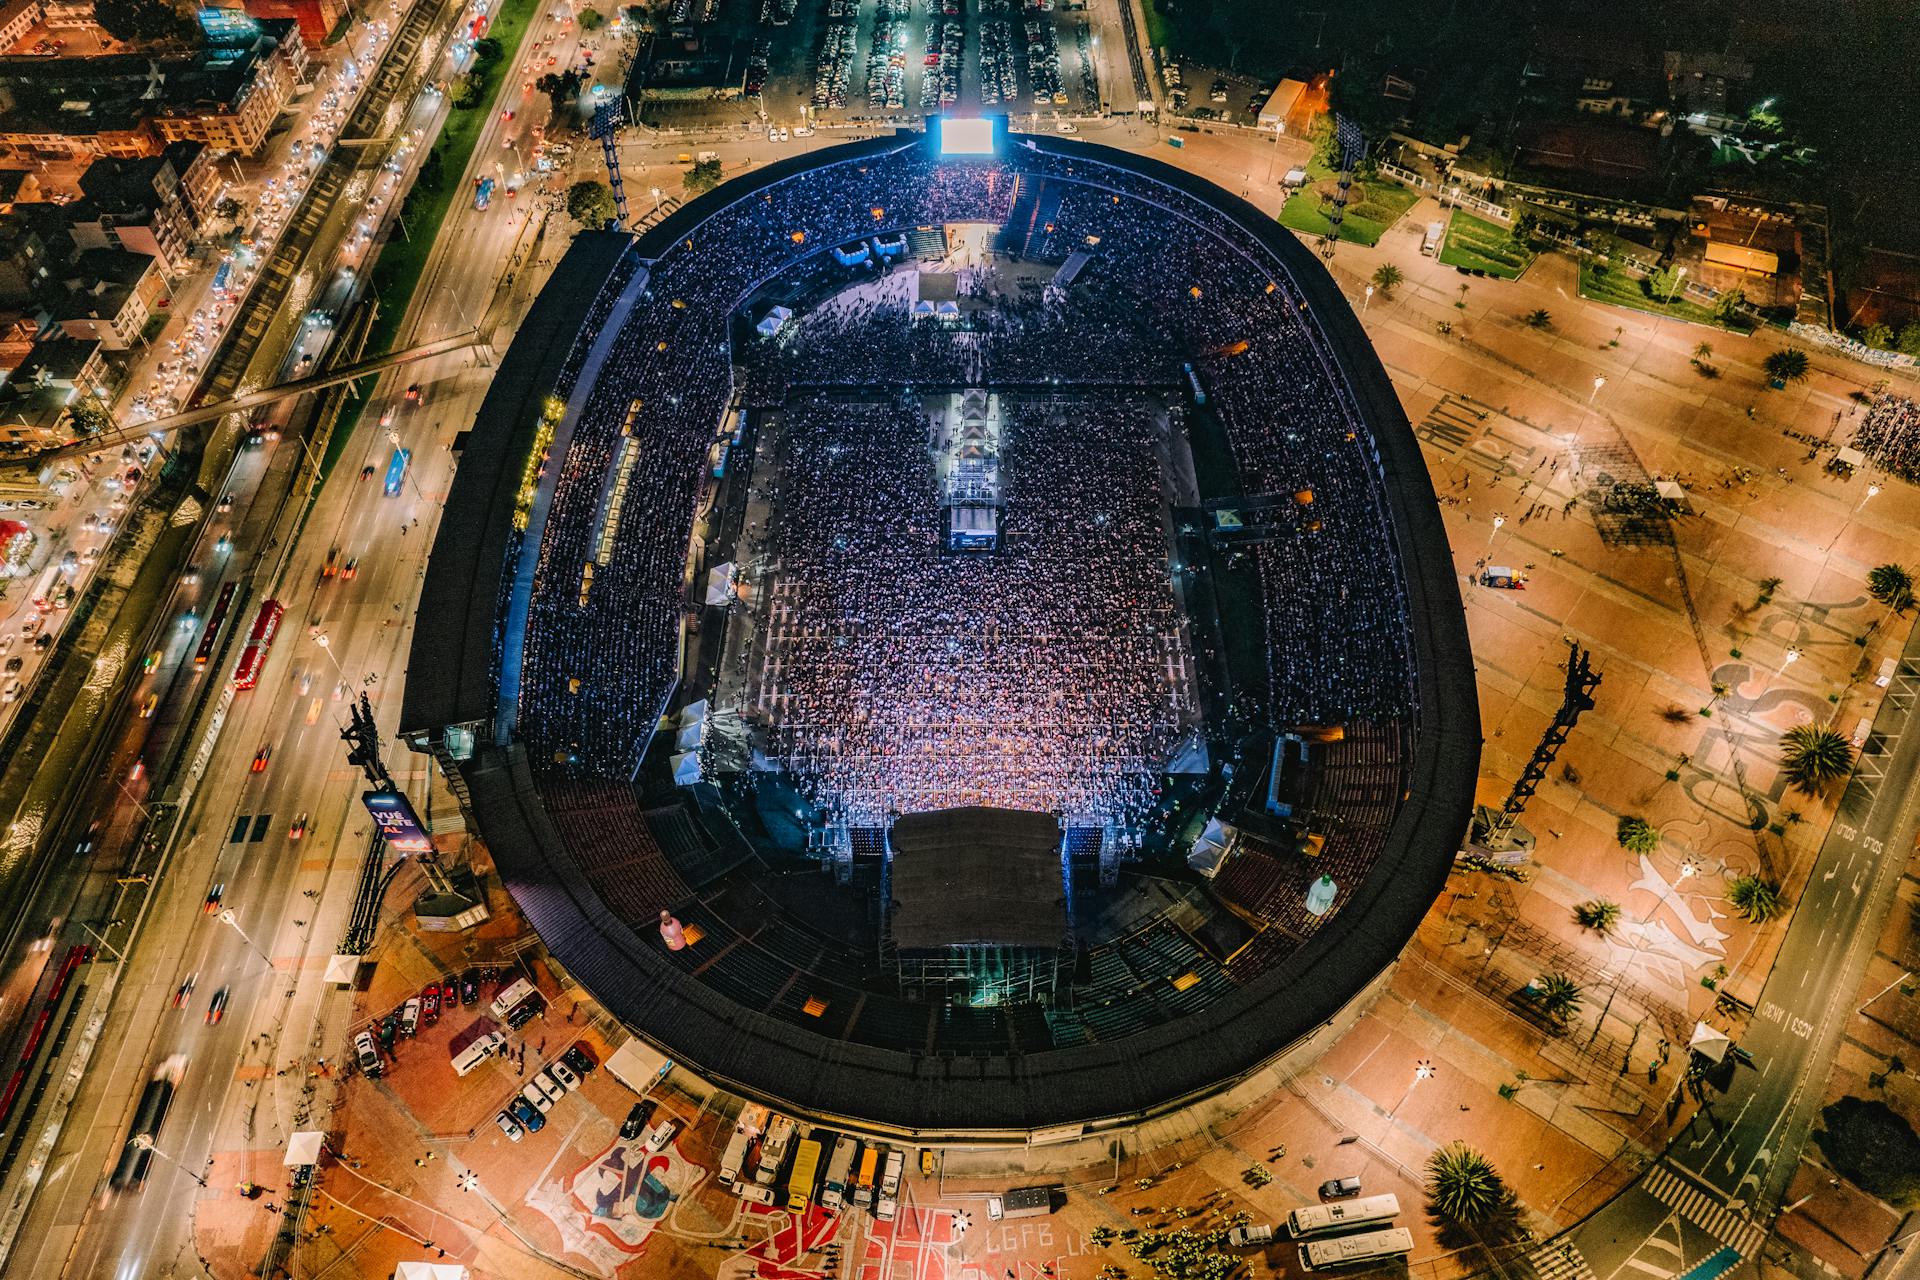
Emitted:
pixel 396 820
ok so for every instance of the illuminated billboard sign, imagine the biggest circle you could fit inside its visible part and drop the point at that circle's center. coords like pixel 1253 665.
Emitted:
pixel 966 137
pixel 396 820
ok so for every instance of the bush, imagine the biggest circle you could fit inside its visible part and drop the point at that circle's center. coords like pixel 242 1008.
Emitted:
pixel 1873 1147
pixel 1757 900
pixel 1598 915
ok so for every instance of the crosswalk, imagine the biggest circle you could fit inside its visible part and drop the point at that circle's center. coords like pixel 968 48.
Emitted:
pixel 1560 1260
pixel 1704 1211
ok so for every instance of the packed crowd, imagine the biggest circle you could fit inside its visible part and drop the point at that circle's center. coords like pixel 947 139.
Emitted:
pixel 1890 435
pixel 1052 675
pixel 1171 275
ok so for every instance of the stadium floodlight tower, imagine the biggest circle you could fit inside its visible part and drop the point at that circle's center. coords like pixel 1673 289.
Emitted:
pixel 607 119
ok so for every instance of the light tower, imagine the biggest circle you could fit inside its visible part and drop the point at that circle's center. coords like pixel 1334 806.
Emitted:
pixel 607 119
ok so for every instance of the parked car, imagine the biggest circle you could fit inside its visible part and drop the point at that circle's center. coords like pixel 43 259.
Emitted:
pixel 1339 1188
pixel 537 1096
pixel 636 1122
pixel 561 1072
pixel 509 1127
pixel 579 1059
pixel 410 1017
pixel 527 1114
pixel 661 1135
pixel 367 1054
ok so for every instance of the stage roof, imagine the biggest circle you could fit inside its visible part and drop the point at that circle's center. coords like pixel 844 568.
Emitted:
pixel 977 877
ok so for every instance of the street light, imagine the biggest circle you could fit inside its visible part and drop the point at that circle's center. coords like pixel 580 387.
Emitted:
pixel 1498 521
pixel 1598 382
pixel 1679 274
pixel 144 1141
pixel 1369 300
pixel 232 921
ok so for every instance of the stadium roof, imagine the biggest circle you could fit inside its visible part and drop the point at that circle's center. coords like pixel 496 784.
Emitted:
pixel 977 877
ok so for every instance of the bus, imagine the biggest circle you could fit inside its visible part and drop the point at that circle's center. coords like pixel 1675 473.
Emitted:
pixel 806 1165
pixel 222 275
pixel 259 640
pixel 1325 1219
pixel 221 605
pixel 151 1113
pixel 397 471
pixel 1350 1251
pixel 833 1192
pixel 483 193
pixel 53 1010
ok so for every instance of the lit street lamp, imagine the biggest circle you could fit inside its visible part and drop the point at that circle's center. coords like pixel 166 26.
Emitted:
pixel 1369 300
pixel 144 1141
pixel 232 921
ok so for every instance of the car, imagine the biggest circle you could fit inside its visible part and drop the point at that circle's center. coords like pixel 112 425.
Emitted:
pixel 413 394
pixel 214 895
pixel 151 661
pixel 84 845
pixel 449 994
pixel 579 1059
pixel 191 575
pixel 185 993
pixel 783 133
pixel 1251 1234
pixel 636 1122
pixel 537 1096
pixel 352 569
pixel 526 1011
pixel 661 1135
pixel 260 758
pixel 366 472
pixel 1339 1188
pixel 15 663
pixel 367 1054
pixel 563 1074
pixel 217 1008
pixel 430 1003
pixel 509 1127
pixel 12 692
pixel 42 643
pixel 223 544
pixel 225 504
pixel 298 828
pixel 306 683
pixel 332 565
pixel 507 114
pixel 410 1018
pixel 469 986
pixel 527 1114
pixel 147 704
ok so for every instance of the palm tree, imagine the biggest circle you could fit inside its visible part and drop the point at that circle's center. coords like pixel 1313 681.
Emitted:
pixel 1790 365
pixel 1757 900
pixel 1465 1190
pixel 1557 995
pixel 1637 835
pixel 1703 352
pixel 1598 915
pixel 1892 586
pixel 1814 755
pixel 1540 318
pixel 1386 278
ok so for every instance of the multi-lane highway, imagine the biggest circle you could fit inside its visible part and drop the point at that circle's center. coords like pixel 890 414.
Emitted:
pixel 287 892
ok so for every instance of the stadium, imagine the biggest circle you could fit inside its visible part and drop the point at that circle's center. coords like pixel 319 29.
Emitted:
pixel 952 632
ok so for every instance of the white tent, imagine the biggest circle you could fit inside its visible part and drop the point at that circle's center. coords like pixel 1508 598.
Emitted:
pixel 430 1271
pixel 637 1065
pixel 1708 1043
pixel 686 768
pixel 693 712
pixel 304 1148
pixel 720 583
pixel 1211 849
pixel 775 319
pixel 342 969
pixel 690 737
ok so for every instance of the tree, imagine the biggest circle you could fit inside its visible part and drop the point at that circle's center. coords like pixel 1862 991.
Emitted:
pixel 1557 995
pixel 1813 756
pixel 592 19
pixel 143 20
pixel 1892 586
pixel 1872 1146
pixel 1598 915
pixel 1525 223
pixel 561 88
pixel 1637 835
pixel 1662 285
pixel 1386 278
pixel 1879 336
pixel 1909 340
pixel 89 418
pixel 1465 1191
pixel 1540 318
pixel 1789 365
pixel 590 203
pixel 1757 900
pixel 487 51
pixel 705 175
pixel 1728 304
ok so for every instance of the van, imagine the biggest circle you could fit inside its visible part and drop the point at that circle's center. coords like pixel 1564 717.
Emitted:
pixel 1861 732
pixel 517 991
pixel 753 1193
pixel 478 1052
pixel 662 1134
pixel 1339 1188
pixel 1252 1233
pixel 1431 245
pixel 708 157
pixel 1884 676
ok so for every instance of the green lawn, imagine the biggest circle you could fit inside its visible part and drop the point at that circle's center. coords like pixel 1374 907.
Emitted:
pixel 1624 289
pixel 1482 245
pixel 1372 207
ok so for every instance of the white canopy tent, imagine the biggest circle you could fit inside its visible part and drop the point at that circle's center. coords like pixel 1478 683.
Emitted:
pixel 303 1148
pixel 1709 1043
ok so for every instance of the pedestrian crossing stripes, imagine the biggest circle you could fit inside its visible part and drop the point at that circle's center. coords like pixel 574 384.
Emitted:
pixel 1704 1211
pixel 1560 1260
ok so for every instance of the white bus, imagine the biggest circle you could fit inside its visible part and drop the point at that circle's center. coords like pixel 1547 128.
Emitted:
pixel 1325 1219
pixel 839 1173
pixel 1351 1251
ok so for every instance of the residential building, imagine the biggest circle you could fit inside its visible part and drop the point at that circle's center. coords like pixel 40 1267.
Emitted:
pixel 18 332
pixel 19 186
pixel 27 264
pixel 116 294
pixel 35 402
pixel 17 17
pixel 232 97
pixel 317 18
pixel 142 204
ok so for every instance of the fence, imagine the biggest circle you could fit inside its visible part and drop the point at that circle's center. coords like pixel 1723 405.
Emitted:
pixel 1405 177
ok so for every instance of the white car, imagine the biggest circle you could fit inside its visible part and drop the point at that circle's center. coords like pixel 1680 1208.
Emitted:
pixel 661 1135
pixel 563 1074
pixel 537 1096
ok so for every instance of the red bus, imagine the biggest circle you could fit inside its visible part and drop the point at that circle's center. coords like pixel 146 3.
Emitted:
pixel 259 640
pixel 214 620
pixel 76 956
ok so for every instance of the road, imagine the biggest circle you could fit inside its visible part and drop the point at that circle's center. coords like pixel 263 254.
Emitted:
pixel 288 897
pixel 1722 1177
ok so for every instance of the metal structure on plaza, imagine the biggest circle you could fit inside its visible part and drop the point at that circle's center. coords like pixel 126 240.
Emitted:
pixel 1353 149
pixel 1498 831
pixel 607 119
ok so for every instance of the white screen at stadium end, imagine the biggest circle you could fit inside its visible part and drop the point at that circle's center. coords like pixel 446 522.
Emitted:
pixel 966 137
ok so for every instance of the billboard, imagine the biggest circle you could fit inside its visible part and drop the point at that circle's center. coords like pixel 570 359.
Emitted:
pixel 396 820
